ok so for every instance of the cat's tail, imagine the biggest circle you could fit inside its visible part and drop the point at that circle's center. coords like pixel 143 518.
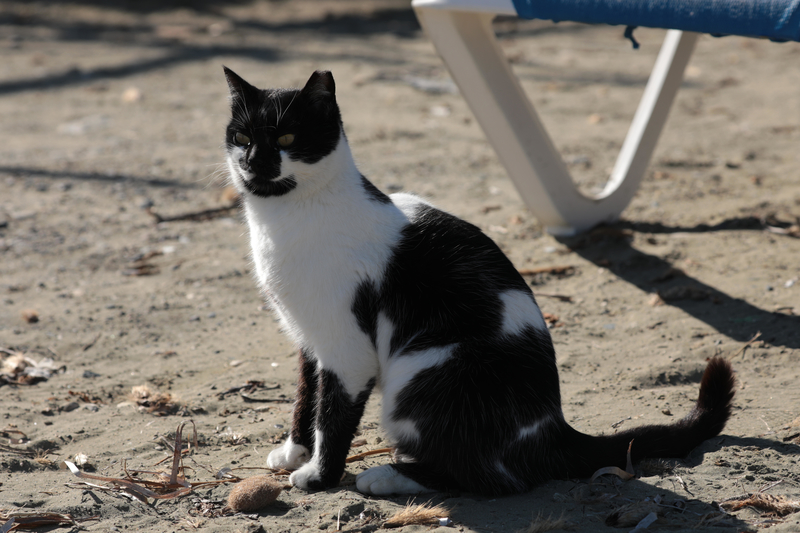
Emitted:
pixel 582 454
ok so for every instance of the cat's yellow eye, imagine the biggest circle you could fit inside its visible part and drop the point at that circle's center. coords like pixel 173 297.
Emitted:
pixel 286 140
pixel 241 139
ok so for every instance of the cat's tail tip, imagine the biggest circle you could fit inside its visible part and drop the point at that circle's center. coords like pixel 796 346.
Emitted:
pixel 715 401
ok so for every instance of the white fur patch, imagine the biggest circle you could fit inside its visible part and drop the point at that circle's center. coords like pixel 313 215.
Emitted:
pixel 530 431
pixel 303 477
pixel 519 312
pixel 396 372
pixel 501 469
pixel 385 480
pixel 403 430
pixel 290 456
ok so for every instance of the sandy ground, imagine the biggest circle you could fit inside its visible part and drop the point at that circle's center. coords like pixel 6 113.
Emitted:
pixel 110 108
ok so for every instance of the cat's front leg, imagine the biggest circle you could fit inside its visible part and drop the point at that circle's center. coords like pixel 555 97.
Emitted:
pixel 338 414
pixel 296 451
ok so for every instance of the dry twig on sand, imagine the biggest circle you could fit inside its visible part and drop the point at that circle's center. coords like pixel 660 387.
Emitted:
pixel 359 456
pixel 14 520
pixel 169 486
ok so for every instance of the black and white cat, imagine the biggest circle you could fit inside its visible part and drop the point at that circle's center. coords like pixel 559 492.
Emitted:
pixel 390 292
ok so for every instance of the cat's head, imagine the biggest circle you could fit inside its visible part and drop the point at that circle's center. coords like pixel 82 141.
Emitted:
pixel 276 136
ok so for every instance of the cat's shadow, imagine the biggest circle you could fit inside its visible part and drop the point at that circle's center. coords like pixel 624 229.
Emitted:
pixel 611 247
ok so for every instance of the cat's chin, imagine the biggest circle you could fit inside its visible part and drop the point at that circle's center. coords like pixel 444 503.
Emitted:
pixel 269 188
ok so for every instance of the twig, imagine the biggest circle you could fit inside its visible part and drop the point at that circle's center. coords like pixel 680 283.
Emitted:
pixel 617 424
pixel 18 451
pixel 562 269
pixel 198 216
pixel 562 297
pixel 250 386
pixel 359 456
pixel 92 343
pixel 247 398
pixel 746 345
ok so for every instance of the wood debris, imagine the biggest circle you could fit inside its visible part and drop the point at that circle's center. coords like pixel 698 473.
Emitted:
pixel 139 265
pixel 20 369
pixel 625 475
pixel 553 321
pixel 166 485
pixel 153 401
pixel 14 520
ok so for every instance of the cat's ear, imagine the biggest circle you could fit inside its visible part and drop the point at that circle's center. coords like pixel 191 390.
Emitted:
pixel 239 88
pixel 320 86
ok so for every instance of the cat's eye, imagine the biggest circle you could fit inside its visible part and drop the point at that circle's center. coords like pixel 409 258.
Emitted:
pixel 241 139
pixel 286 140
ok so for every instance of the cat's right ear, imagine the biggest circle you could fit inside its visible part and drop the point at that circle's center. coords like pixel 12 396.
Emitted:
pixel 239 88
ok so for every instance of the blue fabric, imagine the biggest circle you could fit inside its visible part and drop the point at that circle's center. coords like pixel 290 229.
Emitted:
pixel 778 20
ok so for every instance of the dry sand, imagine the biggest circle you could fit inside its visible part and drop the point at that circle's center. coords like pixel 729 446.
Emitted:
pixel 110 109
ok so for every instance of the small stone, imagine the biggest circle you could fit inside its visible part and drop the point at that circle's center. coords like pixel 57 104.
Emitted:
pixel 30 316
pixel 131 94
pixel 71 406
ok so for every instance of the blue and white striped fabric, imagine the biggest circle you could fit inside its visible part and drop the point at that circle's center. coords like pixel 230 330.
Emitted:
pixel 778 20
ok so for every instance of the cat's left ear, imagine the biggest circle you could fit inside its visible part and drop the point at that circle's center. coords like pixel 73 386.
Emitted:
pixel 320 86
pixel 239 88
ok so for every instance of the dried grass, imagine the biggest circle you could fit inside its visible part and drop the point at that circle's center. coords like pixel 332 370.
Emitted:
pixel 541 525
pixel 631 514
pixel 779 505
pixel 418 515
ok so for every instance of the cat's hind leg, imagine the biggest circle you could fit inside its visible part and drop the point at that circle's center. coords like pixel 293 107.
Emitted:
pixel 296 451
pixel 403 478
pixel 385 480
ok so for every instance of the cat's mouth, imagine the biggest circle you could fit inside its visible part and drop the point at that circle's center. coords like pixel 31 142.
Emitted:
pixel 265 188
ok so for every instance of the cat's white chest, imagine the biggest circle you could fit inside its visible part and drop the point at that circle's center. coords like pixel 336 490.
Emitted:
pixel 310 263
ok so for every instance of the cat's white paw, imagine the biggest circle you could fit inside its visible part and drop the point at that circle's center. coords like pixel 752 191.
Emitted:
pixel 307 477
pixel 385 480
pixel 290 456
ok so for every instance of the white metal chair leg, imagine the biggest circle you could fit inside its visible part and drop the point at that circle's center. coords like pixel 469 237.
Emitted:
pixel 469 48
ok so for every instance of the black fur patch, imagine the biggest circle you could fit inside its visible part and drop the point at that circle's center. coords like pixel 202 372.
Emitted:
pixel 337 419
pixel 373 192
